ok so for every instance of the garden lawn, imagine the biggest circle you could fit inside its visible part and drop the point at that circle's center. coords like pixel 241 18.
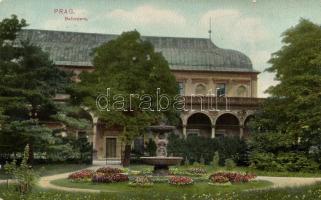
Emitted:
pixel 196 188
pixel 306 193
pixel 51 169
pixel 211 170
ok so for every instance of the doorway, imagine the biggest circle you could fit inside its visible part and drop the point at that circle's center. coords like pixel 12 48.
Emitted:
pixel 111 147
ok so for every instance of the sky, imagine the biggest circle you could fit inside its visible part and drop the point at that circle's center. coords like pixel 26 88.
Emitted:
pixel 253 27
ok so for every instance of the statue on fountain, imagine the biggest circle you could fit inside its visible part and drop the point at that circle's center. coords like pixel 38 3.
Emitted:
pixel 161 161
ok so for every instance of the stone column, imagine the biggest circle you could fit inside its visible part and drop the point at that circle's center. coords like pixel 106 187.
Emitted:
pixel 184 131
pixel 94 140
pixel 213 131
pixel 241 131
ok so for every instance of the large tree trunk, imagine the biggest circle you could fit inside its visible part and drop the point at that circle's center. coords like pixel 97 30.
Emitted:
pixel 126 157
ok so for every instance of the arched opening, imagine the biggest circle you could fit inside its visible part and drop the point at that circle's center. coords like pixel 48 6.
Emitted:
pixel 227 125
pixel 200 89
pixel 247 130
pixel 199 124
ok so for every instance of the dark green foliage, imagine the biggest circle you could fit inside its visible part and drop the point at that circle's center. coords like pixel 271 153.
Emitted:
pixel 196 148
pixel 28 82
pixel 289 120
pixel 127 65
pixel 229 164
pixel 291 161
pixel 23 173
pixel 151 147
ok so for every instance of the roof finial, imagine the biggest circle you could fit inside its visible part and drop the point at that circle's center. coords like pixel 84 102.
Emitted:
pixel 210 30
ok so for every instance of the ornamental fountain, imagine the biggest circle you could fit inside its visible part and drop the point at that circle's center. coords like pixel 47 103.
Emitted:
pixel 161 161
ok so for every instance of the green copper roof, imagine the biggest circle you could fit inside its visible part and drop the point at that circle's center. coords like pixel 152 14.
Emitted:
pixel 74 49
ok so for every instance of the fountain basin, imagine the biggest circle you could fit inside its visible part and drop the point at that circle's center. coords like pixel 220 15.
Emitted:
pixel 158 160
pixel 161 164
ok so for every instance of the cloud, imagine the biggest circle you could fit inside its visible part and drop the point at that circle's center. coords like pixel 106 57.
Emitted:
pixel 265 80
pixel 148 15
pixel 235 27
pixel 260 58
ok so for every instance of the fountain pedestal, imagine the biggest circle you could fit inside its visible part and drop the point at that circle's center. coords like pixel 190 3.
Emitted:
pixel 161 162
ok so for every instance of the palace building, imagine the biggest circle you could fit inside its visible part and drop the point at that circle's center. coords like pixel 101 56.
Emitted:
pixel 199 67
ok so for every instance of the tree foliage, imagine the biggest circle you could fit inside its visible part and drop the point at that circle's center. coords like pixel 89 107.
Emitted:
pixel 28 82
pixel 289 120
pixel 127 65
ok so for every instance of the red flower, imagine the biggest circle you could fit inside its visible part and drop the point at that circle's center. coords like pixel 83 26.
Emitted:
pixel 232 177
pixel 180 180
pixel 109 170
pixel 80 175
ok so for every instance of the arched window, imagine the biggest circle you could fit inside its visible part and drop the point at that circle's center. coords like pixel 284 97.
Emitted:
pixel 242 91
pixel 200 89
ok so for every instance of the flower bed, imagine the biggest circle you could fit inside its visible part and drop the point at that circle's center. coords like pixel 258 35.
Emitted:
pixel 177 171
pixel 142 181
pixel 197 171
pixel 109 178
pixel 221 177
pixel 82 175
pixel 109 170
pixel 180 180
pixel 146 171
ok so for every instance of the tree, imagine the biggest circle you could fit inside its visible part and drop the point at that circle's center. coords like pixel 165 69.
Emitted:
pixel 127 65
pixel 292 114
pixel 29 81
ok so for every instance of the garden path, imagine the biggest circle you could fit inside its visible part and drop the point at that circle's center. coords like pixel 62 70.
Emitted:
pixel 45 182
pixel 279 182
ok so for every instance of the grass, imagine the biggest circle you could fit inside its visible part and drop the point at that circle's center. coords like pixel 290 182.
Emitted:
pixel 307 193
pixel 197 188
pixel 210 170
pixel 51 169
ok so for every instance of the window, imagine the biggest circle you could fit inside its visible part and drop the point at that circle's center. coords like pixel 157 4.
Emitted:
pixel 200 89
pixel 181 88
pixel 241 91
pixel 221 89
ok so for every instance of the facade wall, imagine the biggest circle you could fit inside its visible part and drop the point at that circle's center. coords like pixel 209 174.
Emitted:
pixel 235 82
pixel 193 83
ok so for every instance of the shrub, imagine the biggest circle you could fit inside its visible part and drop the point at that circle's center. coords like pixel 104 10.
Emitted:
pixel 216 160
pixel 109 170
pixel 81 175
pixel 229 164
pixel 151 147
pixel 293 162
pixel 200 149
pixel 23 174
pixel 233 177
pixel 143 181
pixel 197 171
pixel 109 178
pixel 266 162
pixel 180 180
